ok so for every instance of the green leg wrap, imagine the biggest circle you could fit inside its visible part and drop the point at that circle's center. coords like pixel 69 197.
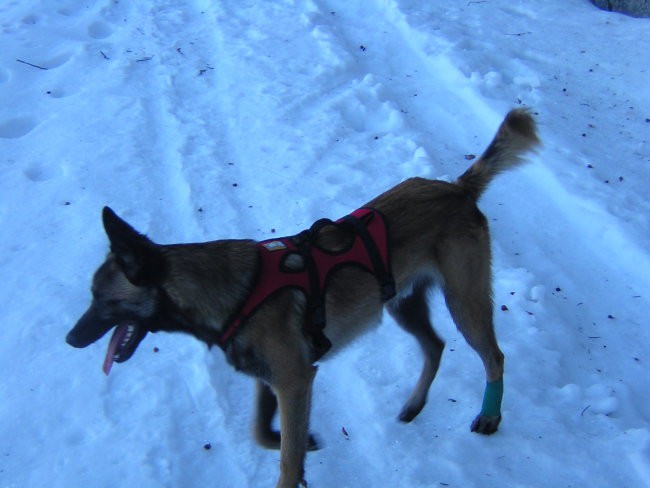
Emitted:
pixel 492 398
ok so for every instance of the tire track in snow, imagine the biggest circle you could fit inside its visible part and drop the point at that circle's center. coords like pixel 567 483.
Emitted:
pixel 269 106
pixel 180 155
pixel 175 168
pixel 130 83
pixel 415 77
pixel 211 156
pixel 307 113
pixel 169 125
pixel 207 164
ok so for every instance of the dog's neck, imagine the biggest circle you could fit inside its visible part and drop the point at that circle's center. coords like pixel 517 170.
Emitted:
pixel 206 283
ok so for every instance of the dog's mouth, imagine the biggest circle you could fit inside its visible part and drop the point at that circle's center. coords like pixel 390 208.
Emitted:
pixel 123 344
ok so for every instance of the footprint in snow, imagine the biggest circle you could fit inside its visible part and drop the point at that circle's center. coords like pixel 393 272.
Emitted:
pixel 71 10
pixel 5 75
pixel 601 400
pixel 597 399
pixel 40 172
pixel 59 92
pixel 365 113
pixel 100 30
pixel 537 293
pixel 31 19
pixel 17 127
pixel 48 63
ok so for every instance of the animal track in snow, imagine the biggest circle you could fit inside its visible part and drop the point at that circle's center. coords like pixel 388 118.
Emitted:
pixel 69 11
pixel 366 112
pixel 17 127
pixel 58 92
pixel 99 30
pixel 601 400
pixel 38 172
pixel 537 293
pixel 5 75
pixel 597 399
pixel 31 19
pixel 56 60
pixel 48 63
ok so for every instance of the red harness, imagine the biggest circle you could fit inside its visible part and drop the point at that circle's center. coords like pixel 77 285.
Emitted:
pixel 369 250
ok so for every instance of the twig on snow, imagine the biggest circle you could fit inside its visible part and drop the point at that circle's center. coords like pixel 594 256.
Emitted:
pixel 32 65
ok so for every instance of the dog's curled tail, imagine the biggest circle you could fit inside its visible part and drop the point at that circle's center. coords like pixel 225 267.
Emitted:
pixel 516 135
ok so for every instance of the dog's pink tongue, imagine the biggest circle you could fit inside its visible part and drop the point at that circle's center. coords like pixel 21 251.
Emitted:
pixel 118 335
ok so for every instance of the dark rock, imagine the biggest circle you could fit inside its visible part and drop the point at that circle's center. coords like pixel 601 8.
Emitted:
pixel 635 8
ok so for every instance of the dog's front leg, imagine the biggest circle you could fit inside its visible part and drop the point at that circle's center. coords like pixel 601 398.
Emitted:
pixel 294 399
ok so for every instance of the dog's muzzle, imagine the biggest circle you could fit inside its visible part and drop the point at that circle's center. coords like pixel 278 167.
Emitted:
pixel 88 329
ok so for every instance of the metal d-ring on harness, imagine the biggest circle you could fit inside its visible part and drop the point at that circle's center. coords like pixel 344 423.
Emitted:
pixel 369 249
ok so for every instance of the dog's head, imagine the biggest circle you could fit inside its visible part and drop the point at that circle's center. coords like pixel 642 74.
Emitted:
pixel 126 294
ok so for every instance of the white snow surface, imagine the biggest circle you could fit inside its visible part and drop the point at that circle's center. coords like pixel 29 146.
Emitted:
pixel 202 120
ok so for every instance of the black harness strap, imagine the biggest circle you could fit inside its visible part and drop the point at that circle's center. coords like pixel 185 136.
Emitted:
pixel 381 271
pixel 315 323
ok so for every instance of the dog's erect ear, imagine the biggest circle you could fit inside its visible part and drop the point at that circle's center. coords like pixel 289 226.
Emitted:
pixel 139 258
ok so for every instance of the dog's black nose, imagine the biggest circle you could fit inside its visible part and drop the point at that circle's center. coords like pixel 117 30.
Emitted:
pixel 72 339
pixel 88 329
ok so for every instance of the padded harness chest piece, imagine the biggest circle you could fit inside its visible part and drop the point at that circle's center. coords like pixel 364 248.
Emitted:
pixel 298 262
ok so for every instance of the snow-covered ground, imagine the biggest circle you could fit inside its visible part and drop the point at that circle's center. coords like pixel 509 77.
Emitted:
pixel 202 119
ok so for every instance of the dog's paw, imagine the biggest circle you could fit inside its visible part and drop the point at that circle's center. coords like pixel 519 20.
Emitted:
pixel 486 424
pixel 409 412
pixel 313 444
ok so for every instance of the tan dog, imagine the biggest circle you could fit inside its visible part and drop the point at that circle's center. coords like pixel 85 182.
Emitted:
pixel 437 236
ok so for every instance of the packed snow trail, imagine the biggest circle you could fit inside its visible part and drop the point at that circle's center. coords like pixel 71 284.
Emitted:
pixel 202 120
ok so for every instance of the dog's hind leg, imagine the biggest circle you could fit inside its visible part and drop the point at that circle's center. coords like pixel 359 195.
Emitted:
pixel 412 314
pixel 465 266
pixel 267 407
